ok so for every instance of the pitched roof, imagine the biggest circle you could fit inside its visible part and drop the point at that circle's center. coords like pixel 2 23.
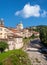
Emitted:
pixel 1 25
pixel 14 31
pixel 14 35
pixel 17 36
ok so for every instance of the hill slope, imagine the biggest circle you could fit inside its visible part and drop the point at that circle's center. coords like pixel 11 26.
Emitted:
pixel 15 57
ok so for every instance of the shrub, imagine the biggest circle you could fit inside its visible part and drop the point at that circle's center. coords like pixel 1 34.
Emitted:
pixel 3 46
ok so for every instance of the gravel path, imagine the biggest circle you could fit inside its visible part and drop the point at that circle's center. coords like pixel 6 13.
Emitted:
pixel 37 58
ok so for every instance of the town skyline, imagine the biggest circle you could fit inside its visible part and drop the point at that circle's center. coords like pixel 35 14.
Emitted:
pixel 30 12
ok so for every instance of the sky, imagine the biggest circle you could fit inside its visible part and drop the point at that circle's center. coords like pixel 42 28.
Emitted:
pixel 29 12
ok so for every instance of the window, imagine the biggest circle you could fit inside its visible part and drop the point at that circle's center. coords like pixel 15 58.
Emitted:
pixel 0 29
pixel 5 30
pixel 5 35
pixel 0 33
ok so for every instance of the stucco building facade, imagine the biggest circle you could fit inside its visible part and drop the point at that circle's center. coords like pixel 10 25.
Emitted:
pixel 14 40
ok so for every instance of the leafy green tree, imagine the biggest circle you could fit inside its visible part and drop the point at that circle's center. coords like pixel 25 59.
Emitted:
pixel 43 35
pixel 3 46
pixel 33 36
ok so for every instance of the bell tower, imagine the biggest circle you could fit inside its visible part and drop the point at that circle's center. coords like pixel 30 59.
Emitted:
pixel 20 26
pixel 1 22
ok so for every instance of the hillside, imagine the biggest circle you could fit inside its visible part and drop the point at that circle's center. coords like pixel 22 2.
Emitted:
pixel 14 57
pixel 36 28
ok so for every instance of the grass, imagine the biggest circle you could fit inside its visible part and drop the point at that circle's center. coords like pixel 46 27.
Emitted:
pixel 14 57
pixel 4 55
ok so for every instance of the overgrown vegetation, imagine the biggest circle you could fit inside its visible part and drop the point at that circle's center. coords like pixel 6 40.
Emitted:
pixel 43 35
pixel 27 40
pixel 42 29
pixel 3 46
pixel 14 57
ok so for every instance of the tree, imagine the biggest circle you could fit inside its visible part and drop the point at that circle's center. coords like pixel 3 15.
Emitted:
pixel 3 46
pixel 43 35
pixel 33 36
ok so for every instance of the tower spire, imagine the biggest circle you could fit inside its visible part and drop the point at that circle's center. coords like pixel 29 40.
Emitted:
pixel 1 22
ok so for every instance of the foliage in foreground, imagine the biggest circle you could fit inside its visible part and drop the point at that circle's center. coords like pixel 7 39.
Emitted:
pixel 3 46
pixel 15 57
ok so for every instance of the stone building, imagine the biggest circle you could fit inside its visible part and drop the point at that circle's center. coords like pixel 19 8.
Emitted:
pixel 19 26
pixel 11 36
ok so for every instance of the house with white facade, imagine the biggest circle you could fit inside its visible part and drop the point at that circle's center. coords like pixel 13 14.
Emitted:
pixel 11 36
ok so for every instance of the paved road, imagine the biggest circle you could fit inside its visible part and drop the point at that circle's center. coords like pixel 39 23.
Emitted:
pixel 33 51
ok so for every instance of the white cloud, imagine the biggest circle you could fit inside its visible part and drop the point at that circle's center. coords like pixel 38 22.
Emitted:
pixel 29 11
